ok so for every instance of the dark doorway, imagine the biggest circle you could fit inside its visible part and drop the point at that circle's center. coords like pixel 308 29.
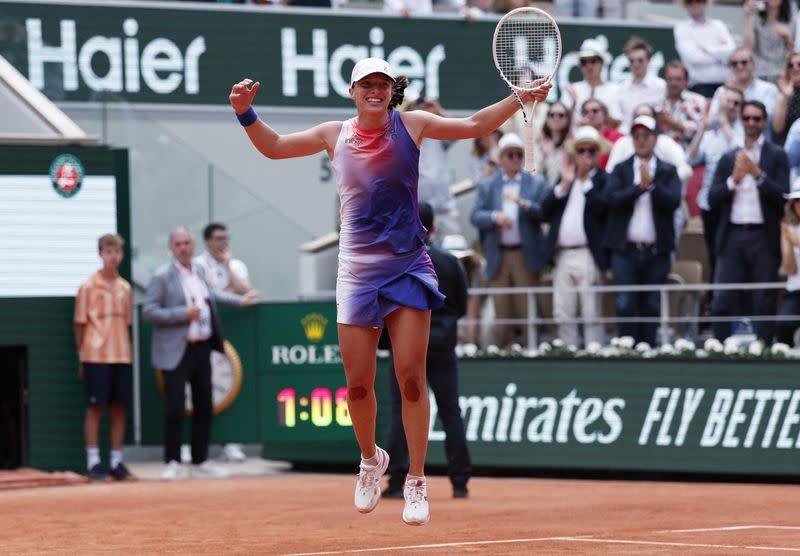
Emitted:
pixel 13 407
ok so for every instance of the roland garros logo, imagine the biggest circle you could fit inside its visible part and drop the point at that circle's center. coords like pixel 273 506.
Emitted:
pixel 66 175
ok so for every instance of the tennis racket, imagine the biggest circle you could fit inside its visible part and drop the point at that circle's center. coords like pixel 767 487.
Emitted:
pixel 527 50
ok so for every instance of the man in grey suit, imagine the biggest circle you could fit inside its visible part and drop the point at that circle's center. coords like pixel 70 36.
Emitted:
pixel 182 306
pixel 508 213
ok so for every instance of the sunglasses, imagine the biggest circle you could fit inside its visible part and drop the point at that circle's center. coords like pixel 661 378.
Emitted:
pixel 557 115
pixel 734 63
pixel 587 61
pixel 591 111
pixel 793 65
pixel 752 118
pixel 642 134
pixel 583 150
pixel 689 2
pixel 514 154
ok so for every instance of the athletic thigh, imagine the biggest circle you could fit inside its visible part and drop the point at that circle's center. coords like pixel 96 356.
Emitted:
pixel 409 330
pixel 358 346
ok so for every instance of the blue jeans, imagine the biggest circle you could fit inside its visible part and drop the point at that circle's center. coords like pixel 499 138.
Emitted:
pixel 639 266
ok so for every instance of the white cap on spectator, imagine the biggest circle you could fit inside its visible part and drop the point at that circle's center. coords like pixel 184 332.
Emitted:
pixel 586 135
pixel 795 191
pixel 647 122
pixel 594 48
pixel 368 66
pixel 509 141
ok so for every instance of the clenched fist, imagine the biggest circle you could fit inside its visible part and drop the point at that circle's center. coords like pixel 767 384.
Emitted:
pixel 242 95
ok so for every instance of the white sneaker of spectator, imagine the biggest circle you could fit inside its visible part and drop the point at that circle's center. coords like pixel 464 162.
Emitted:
pixel 207 471
pixel 233 452
pixel 172 472
pixel 186 453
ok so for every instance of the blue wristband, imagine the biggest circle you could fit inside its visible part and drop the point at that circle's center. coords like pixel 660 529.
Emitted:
pixel 248 118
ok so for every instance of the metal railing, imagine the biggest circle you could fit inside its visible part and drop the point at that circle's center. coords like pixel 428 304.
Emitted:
pixel 534 320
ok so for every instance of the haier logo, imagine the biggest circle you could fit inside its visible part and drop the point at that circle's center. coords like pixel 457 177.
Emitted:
pixel 160 63
pixel 422 71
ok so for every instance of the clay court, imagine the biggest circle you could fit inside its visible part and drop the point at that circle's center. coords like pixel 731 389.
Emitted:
pixel 295 513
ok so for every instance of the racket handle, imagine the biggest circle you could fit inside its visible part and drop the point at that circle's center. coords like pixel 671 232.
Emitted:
pixel 530 164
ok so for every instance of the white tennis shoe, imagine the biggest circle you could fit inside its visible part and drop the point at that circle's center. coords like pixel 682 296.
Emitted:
pixel 368 485
pixel 416 511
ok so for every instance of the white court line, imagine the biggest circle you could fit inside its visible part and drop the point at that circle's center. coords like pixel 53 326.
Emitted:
pixel 419 546
pixel 732 528
pixel 541 539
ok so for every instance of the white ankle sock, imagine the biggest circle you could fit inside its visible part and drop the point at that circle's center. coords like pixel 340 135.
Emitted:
pixel 116 458
pixel 92 456
pixel 411 477
pixel 371 461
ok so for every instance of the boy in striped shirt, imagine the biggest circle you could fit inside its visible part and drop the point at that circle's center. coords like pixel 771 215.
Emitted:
pixel 102 321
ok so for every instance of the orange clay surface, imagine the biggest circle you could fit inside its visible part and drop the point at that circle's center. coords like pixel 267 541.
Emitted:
pixel 313 514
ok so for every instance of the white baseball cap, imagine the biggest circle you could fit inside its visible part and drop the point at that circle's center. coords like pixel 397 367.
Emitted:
pixel 368 66
pixel 647 122
pixel 594 48
pixel 510 141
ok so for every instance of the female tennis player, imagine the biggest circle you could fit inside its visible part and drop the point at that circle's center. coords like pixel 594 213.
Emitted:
pixel 385 276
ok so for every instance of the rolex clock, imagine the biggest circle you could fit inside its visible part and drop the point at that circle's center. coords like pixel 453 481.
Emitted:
pixel 226 380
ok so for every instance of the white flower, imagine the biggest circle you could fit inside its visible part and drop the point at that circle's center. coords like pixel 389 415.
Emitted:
pixel 648 353
pixel 470 350
pixel 615 341
pixel 730 348
pixel 756 349
pixel 493 350
pixel 627 342
pixel 682 344
pixel 531 353
pixel 572 349
pixel 544 347
pixel 701 354
pixel 641 346
pixel 780 348
pixel 516 348
pixel 667 349
pixel 383 353
pixel 459 350
pixel 712 345
pixel 558 343
pixel 594 347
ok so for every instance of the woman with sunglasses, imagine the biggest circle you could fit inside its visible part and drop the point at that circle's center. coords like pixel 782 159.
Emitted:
pixel 787 109
pixel 549 151
pixel 768 28
pixel 704 45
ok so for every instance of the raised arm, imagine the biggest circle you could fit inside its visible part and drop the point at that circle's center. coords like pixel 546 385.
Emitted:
pixel 269 142
pixel 425 124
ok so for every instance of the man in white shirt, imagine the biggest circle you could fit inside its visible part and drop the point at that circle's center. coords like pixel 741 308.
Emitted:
pixel 743 67
pixel 704 45
pixel 226 274
pixel 576 210
pixel 643 193
pixel 747 191
pixel 715 136
pixel 641 87
pixel 593 55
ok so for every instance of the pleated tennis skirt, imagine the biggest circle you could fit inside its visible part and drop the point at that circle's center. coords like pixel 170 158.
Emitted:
pixel 370 287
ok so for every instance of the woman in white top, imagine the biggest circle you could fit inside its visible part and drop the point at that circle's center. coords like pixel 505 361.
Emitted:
pixel 704 46
pixel 549 150
pixel 790 265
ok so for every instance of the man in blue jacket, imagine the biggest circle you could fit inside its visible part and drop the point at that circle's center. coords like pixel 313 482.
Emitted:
pixel 642 194
pixel 508 214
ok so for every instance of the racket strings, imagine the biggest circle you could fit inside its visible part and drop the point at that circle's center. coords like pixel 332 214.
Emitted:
pixel 527 50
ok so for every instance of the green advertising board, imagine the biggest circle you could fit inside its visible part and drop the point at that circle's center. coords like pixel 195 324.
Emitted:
pixel 692 416
pixel 123 51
